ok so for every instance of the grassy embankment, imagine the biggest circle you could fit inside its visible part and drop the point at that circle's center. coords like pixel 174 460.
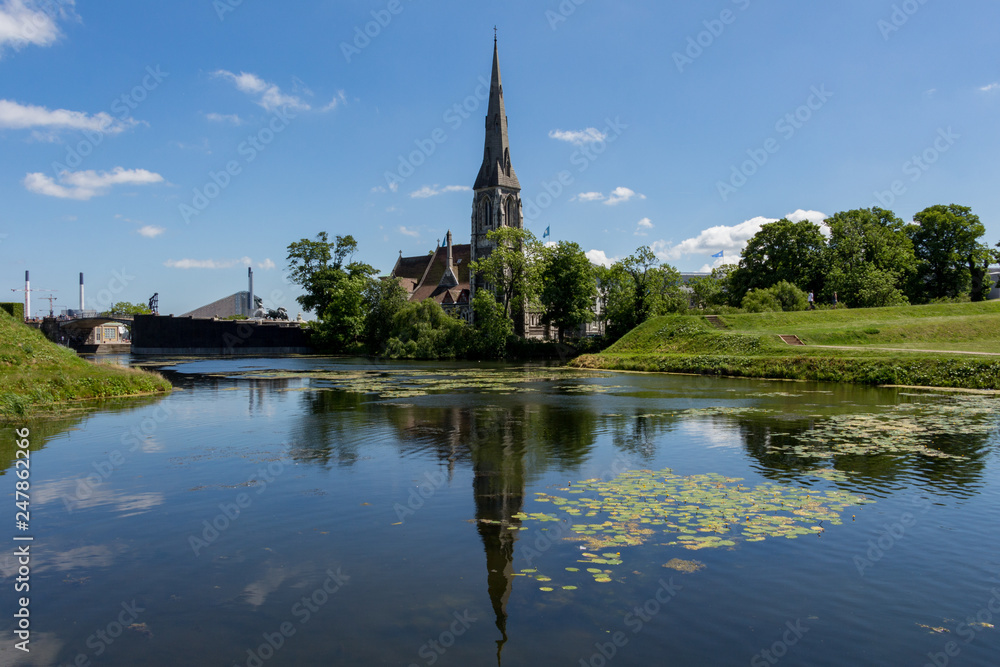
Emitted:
pixel 750 347
pixel 37 375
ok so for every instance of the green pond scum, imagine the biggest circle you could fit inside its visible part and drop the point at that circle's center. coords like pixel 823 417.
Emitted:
pixel 692 512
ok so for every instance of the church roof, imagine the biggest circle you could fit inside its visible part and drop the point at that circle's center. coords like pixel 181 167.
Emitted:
pixel 432 281
pixel 496 170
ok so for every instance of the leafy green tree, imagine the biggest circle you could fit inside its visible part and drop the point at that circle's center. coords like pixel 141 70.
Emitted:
pixel 126 308
pixel 870 258
pixel 950 257
pixel 425 331
pixel 568 287
pixel 381 300
pixel 637 288
pixel 789 296
pixel 511 269
pixel 493 328
pixel 782 250
pixel 760 300
pixel 334 287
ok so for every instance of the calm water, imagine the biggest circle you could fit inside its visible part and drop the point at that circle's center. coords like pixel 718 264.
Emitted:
pixel 363 516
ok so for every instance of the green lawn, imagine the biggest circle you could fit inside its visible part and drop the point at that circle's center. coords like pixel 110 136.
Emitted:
pixel 750 346
pixel 37 375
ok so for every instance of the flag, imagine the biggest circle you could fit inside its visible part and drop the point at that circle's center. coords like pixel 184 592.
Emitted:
pixel 718 254
pixel 546 234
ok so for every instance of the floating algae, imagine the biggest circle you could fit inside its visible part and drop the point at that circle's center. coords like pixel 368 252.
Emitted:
pixel 407 383
pixel 697 512
pixel 906 428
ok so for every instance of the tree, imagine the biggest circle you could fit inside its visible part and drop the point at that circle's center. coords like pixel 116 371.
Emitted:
pixel 425 331
pixel 126 308
pixel 493 328
pixel 869 257
pixel 782 250
pixel 950 257
pixel 333 290
pixel 636 289
pixel 381 299
pixel 568 287
pixel 510 270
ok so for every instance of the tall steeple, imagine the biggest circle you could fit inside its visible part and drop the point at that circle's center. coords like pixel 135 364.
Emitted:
pixel 496 170
pixel 496 202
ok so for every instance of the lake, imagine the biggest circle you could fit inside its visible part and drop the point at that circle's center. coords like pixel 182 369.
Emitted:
pixel 322 511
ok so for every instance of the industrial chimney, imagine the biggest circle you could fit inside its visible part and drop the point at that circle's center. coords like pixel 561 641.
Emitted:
pixel 81 294
pixel 27 296
pixel 250 304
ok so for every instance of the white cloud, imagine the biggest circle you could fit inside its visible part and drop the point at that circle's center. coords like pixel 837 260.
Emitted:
pixel 622 194
pixel 434 191
pixel 378 189
pixel 990 88
pixel 643 226
pixel 151 231
pixel 814 217
pixel 207 263
pixel 83 185
pixel 269 95
pixel 224 118
pixel 729 239
pixel 266 265
pixel 589 196
pixel 408 232
pixel 15 116
pixel 600 257
pixel 23 22
pixel 579 137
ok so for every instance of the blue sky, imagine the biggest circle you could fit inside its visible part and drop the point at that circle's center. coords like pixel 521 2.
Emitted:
pixel 163 147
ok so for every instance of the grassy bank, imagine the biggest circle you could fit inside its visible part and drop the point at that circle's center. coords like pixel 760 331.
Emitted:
pixel 38 375
pixel 750 347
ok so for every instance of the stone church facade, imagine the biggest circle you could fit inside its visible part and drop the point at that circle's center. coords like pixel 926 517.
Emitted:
pixel 443 275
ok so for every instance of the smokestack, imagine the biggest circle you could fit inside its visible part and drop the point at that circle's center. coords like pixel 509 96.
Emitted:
pixel 250 297
pixel 81 294
pixel 449 250
pixel 27 296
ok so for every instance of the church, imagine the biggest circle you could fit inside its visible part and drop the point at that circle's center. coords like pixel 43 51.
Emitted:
pixel 443 275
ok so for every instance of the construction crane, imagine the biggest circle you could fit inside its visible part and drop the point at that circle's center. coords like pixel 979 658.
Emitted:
pixel 51 300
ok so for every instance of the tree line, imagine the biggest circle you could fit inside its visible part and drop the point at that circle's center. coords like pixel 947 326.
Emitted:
pixel 866 258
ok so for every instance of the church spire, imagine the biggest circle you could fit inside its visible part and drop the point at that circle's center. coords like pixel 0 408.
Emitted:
pixel 496 170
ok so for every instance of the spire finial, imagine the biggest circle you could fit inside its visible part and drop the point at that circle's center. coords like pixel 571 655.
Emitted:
pixel 494 34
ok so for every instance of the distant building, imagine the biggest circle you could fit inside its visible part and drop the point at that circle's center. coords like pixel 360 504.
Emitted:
pixel 234 304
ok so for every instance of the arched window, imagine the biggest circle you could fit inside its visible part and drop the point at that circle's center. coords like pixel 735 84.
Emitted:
pixel 487 214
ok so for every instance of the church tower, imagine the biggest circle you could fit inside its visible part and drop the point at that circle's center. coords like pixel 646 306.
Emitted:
pixel 497 199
